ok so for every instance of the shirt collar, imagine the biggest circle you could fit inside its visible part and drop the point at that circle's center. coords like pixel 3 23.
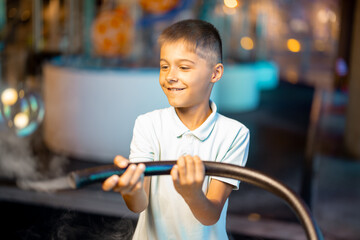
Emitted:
pixel 202 132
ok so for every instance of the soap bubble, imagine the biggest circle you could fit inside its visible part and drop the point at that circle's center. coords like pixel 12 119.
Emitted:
pixel 21 111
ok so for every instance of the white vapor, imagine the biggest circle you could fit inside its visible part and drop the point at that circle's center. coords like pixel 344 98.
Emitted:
pixel 18 160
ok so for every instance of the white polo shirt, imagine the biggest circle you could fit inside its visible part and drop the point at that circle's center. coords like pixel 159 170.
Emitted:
pixel 159 136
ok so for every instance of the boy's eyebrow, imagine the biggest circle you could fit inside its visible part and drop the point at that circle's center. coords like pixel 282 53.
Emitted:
pixel 179 60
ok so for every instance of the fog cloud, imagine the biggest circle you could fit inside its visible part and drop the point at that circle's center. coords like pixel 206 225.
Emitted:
pixel 27 158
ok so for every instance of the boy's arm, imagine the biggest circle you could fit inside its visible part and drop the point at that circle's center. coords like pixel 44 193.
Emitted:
pixel 131 184
pixel 188 176
pixel 138 202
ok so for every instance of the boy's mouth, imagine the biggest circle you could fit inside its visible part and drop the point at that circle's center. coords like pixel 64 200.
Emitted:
pixel 175 89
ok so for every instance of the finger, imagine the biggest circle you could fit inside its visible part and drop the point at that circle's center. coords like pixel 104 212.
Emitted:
pixel 137 186
pixel 126 176
pixel 138 174
pixel 121 162
pixel 181 169
pixel 110 183
pixel 175 173
pixel 190 168
pixel 133 186
pixel 199 169
pixel 118 189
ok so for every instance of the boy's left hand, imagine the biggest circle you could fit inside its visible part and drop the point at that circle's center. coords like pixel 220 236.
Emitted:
pixel 188 176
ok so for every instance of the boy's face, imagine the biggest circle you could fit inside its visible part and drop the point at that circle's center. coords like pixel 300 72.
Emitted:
pixel 185 77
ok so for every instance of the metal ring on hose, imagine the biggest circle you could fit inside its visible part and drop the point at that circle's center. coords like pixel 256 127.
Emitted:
pixel 98 174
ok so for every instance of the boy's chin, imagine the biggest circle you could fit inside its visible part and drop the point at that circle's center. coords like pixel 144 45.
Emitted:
pixel 180 106
pixel 177 105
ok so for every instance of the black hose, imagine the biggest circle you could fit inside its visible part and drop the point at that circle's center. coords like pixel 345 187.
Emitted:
pixel 98 174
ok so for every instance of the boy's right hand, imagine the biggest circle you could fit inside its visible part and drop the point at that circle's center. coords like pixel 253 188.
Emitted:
pixel 130 182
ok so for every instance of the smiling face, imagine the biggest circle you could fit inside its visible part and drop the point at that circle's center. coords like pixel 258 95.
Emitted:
pixel 185 77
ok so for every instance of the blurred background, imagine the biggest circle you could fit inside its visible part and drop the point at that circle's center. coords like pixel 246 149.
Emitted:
pixel 74 75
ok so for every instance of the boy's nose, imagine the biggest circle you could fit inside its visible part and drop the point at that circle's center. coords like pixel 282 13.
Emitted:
pixel 172 76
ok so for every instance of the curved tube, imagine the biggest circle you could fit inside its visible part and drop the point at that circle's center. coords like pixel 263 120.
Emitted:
pixel 98 174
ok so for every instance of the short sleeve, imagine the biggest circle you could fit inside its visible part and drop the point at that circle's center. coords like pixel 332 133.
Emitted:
pixel 141 147
pixel 237 154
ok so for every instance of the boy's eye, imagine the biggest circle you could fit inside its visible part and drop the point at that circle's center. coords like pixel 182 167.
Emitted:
pixel 184 68
pixel 163 67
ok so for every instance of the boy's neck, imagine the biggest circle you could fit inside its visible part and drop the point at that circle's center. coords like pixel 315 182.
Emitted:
pixel 192 118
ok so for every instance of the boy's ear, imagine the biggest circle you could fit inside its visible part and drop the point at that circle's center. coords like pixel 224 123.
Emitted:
pixel 217 73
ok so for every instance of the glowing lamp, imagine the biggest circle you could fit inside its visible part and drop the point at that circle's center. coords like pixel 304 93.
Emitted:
pixel 231 3
pixel 247 43
pixel 21 120
pixel 293 45
pixel 9 96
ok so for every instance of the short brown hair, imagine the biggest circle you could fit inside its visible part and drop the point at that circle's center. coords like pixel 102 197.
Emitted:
pixel 202 37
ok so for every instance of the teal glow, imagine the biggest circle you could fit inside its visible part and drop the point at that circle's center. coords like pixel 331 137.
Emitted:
pixel 104 175
pixel 26 131
pixel 7 111
pixel 267 74
pixel 33 106
pixel 33 103
pixel 239 88
pixel 163 168
pixel 41 114
pixel 101 176
pixel 24 106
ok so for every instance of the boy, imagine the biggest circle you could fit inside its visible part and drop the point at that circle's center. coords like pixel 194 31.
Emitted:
pixel 187 204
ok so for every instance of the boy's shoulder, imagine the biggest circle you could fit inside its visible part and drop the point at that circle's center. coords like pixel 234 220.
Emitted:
pixel 229 123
